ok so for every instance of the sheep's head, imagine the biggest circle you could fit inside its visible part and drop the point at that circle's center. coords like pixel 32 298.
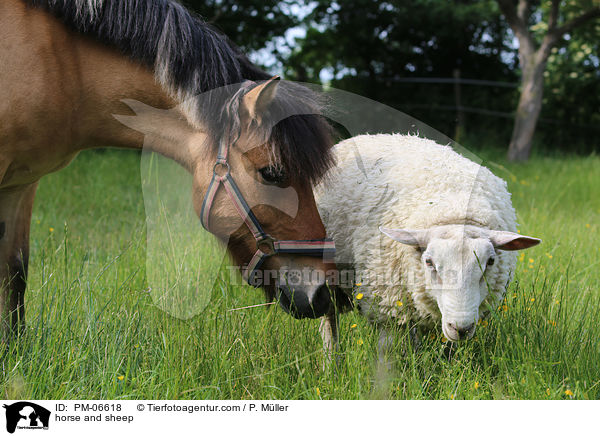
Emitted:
pixel 457 260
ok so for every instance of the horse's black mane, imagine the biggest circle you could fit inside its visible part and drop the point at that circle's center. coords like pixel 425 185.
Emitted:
pixel 188 58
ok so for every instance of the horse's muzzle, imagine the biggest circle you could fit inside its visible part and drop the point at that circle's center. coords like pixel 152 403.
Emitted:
pixel 305 301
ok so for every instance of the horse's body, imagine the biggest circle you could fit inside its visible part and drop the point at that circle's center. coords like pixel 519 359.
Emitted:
pixel 59 89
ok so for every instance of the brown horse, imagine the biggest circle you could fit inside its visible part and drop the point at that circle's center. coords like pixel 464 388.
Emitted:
pixel 67 66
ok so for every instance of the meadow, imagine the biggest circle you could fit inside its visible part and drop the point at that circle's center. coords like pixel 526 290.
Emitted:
pixel 94 332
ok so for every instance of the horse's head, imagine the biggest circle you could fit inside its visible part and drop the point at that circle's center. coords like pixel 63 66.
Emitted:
pixel 277 146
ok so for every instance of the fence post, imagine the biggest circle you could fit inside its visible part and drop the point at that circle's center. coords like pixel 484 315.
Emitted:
pixel 460 115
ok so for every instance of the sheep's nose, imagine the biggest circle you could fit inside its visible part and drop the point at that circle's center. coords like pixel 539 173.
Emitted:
pixel 460 332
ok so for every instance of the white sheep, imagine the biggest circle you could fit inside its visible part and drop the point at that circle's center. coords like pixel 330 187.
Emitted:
pixel 451 228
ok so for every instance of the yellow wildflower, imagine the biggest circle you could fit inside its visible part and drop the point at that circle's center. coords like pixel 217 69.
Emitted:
pixel 51 229
pixel 360 342
pixel 569 392
pixel 359 296
pixel 505 308
pixel 444 340
pixel 318 392
pixel 399 303
pixel 549 255
pixel 121 377
pixel 358 284
pixel 532 299
pixel 548 391
pixel 521 257
pixel 587 226
pixel 531 260
pixel 353 326
pixel 557 302
pixel 476 385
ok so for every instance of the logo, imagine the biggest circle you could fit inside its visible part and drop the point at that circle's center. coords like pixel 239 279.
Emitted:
pixel 26 415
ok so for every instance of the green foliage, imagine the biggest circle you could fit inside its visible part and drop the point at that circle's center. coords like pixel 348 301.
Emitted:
pixel 251 24
pixel 372 48
pixel 93 330
pixel 572 87
pixel 369 47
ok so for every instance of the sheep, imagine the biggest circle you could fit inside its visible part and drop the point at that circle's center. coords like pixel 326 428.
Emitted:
pixel 429 234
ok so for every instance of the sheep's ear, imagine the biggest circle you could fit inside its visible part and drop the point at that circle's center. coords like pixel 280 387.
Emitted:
pixel 512 241
pixel 407 236
pixel 257 100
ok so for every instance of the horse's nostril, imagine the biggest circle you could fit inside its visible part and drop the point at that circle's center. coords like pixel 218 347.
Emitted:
pixel 321 300
pixel 299 305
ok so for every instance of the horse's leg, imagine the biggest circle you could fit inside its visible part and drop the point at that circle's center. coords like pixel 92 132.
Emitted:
pixel 16 205
pixel 329 334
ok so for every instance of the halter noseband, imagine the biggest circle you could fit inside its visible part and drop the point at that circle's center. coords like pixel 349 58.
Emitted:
pixel 266 245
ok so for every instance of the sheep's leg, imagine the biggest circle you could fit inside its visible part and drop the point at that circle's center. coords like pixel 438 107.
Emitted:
pixel 415 338
pixel 330 335
pixel 386 341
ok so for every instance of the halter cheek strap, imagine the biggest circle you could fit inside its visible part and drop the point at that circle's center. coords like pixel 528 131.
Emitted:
pixel 266 245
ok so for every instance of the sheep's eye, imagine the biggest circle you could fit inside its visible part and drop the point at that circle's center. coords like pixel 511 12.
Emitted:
pixel 429 263
pixel 272 175
pixel 491 261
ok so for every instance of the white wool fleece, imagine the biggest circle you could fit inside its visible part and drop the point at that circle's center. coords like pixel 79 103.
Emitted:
pixel 399 181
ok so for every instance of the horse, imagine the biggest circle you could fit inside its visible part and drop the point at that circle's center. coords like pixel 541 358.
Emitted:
pixel 69 66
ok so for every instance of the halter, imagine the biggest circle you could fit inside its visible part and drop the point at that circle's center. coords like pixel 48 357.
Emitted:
pixel 266 245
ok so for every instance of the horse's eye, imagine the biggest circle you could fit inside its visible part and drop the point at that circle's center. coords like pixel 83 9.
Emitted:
pixel 429 263
pixel 491 261
pixel 272 175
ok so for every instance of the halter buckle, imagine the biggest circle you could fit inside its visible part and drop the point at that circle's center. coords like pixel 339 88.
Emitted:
pixel 221 165
pixel 266 242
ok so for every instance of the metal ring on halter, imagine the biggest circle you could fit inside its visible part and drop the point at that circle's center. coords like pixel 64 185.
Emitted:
pixel 224 164
pixel 267 241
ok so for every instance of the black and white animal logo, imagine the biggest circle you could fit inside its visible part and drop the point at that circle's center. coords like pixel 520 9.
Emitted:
pixel 26 415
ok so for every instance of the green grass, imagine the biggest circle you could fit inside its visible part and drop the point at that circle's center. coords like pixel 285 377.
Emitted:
pixel 93 330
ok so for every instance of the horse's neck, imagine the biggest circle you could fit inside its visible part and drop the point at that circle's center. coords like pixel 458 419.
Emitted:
pixel 121 105
pixel 60 93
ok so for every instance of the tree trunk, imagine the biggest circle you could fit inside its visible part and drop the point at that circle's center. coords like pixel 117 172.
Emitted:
pixel 528 109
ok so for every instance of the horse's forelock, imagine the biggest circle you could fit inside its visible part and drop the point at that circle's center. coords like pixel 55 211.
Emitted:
pixel 298 136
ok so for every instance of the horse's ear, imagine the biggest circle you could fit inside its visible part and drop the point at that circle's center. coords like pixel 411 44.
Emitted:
pixel 257 100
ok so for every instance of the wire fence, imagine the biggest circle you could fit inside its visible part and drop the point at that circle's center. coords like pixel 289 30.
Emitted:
pixel 458 108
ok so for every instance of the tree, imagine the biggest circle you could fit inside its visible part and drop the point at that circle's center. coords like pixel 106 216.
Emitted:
pixel 534 54
pixel 572 94
pixel 251 24
pixel 379 48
